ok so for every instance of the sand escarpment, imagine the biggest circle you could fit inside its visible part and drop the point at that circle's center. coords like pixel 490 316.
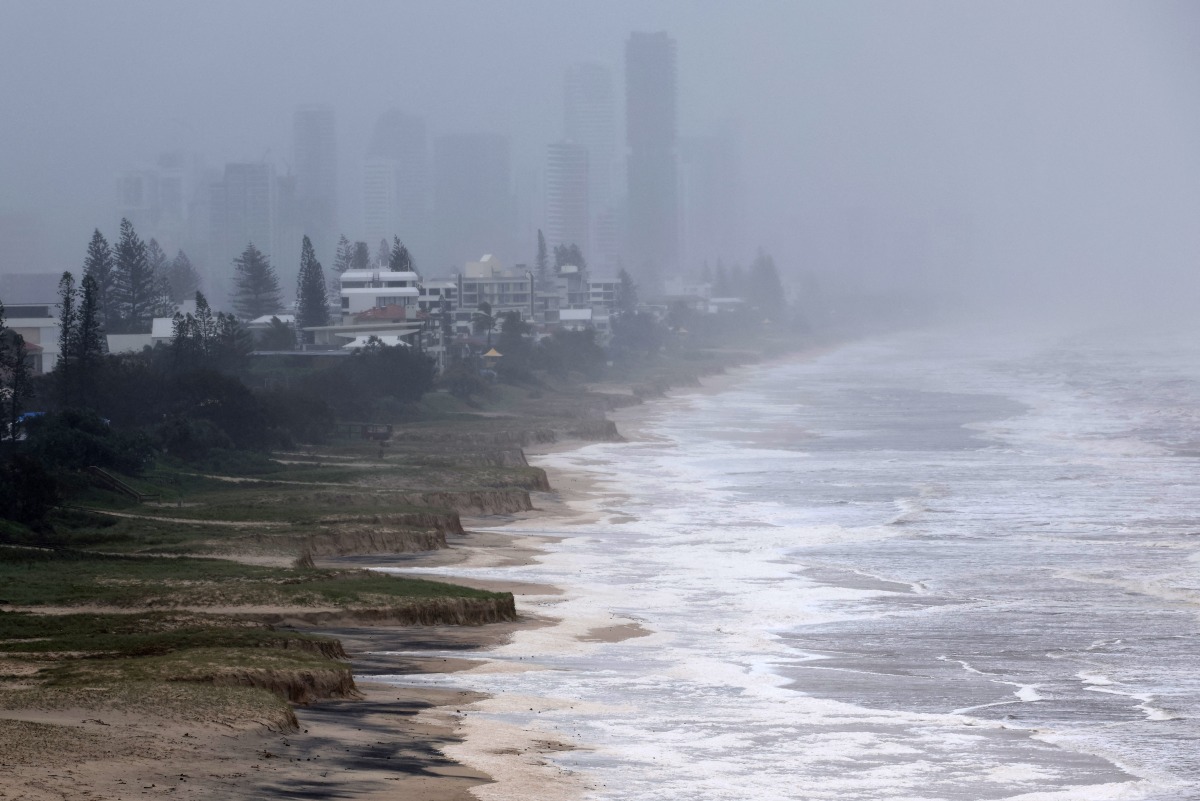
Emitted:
pixel 443 506
pixel 455 611
pixel 295 685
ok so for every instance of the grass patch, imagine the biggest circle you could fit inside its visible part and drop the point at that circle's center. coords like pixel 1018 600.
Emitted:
pixel 70 578
pixel 131 635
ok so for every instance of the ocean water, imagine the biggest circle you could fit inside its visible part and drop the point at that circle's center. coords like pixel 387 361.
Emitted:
pixel 928 566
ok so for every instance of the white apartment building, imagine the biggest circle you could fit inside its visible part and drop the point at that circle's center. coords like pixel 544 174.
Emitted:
pixel 504 289
pixel 38 324
pixel 362 290
pixel 433 293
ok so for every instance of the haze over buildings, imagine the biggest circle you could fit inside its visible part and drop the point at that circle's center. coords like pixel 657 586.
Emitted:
pixel 590 120
pixel 568 179
pixel 473 200
pixel 986 151
pixel 314 148
pixel 396 198
pixel 650 132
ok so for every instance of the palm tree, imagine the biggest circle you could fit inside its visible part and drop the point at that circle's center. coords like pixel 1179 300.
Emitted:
pixel 483 320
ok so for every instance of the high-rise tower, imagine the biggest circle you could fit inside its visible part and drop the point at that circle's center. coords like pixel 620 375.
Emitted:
pixel 243 209
pixel 396 183
pixel 589 120
pixel 567 181
pixel 473 202
pixel 314 149
pixel 710 207
pixel 650 128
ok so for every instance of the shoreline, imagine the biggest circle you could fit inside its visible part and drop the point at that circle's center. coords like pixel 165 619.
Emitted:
pixel 395 739
pixel 519 768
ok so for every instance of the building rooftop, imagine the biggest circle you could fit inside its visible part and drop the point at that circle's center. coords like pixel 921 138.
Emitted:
pixel 266 319
pixel 162 328
pixel 377 274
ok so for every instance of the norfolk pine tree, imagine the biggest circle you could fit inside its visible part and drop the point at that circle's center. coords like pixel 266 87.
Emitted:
pixel 68 324
pixel 313 305
pixel 255 285
pixel 627 299
pixel 543 260
pixel 182 278
pixel 15 378
pixel 80 340
pixel 135 286
pixel 89 345
pixel 99 265
pixel 68 314
pixel 400 260
pixel 360 258
pixel 344 256
pixel 160 267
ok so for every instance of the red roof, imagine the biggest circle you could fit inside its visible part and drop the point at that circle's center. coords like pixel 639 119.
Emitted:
pixel 379 313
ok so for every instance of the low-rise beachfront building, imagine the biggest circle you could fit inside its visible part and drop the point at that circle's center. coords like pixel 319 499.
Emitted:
pixel 503 289
pixel 602 293
pixel 571 283
pixel 572 319
pixel 38 325
pixel 437 295
pixel 360 290
pixel 31 310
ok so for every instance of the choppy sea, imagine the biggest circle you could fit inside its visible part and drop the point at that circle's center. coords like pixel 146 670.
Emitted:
pixel 925 566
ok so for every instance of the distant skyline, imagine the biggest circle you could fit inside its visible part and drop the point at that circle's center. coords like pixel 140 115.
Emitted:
pixel 1010 149
pixel 652 156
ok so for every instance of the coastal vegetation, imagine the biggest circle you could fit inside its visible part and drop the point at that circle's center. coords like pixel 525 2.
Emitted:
pixel 175 523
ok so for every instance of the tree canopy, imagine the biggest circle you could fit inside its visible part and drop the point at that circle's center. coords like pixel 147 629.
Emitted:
pixel 182 279
pixel 400 260
pixel 136 289
pixel 568 254
pixel 99 264
pixel 312 303
pixel 255 285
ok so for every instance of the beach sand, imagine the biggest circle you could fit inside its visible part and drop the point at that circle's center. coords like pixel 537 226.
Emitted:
pixel 395 742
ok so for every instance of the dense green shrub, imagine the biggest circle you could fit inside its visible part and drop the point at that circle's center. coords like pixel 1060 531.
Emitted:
pixel 75 440
pixel 27 490
pixel 571 351
pixel 191 439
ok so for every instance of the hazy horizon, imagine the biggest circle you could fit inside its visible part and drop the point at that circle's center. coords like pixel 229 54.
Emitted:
pixel 1041 152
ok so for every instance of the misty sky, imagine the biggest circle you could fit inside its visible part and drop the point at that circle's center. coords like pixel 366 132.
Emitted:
pixel 1031 144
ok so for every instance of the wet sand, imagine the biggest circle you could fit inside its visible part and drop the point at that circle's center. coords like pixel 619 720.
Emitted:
pixel 395 742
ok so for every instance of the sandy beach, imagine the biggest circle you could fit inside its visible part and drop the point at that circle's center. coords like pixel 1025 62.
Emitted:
pixel 396 740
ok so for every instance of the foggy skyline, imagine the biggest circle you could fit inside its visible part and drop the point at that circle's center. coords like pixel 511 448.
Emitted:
pixel 1016 147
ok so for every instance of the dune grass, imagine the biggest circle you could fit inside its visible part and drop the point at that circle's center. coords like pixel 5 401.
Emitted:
pixel 33 577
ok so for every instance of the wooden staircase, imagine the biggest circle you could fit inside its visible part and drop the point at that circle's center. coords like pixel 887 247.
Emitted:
pixel 117 485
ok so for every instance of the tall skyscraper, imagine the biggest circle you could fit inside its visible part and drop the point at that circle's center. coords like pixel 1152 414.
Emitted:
pixel 473 202
pixel 314 151
pixel 164 201
pixel 396 183
pixel 251 204
pixel 650 128
pixel 589 120
pixel 712 201
pixel 567 182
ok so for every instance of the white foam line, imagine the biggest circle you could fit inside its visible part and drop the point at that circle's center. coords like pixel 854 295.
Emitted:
pixel 1154 713
pixel 1026 693
pixel 967 709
